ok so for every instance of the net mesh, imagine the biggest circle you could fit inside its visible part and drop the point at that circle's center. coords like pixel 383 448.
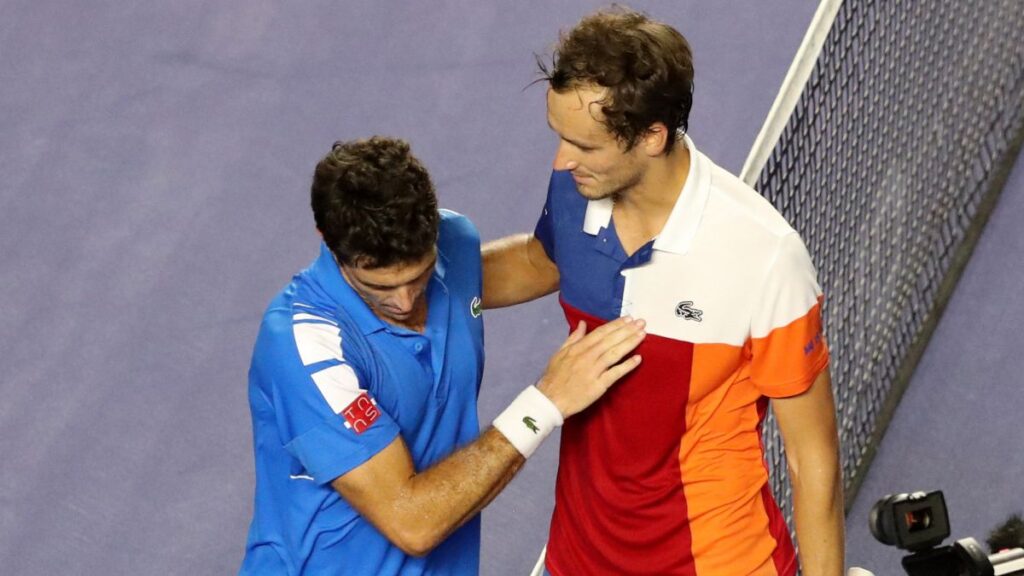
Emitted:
pixel 913 110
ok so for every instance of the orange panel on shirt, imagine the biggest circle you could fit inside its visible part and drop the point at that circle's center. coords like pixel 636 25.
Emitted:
pixel 722 467
pixel 799 344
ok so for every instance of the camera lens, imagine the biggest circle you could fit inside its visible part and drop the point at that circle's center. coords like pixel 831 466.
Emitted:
pixel 918 520
pixel 880 523
pixel 911 521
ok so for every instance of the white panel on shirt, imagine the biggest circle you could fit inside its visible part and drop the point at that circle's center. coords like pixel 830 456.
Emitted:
pixel 746 272
pixel 668 280
pixel 789 291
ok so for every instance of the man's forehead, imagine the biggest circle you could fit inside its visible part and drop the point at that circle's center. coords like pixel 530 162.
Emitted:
pixel 578 112
pixel 395 274
pixel 580 98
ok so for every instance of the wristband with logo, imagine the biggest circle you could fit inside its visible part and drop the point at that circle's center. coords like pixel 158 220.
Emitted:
pixel 528 420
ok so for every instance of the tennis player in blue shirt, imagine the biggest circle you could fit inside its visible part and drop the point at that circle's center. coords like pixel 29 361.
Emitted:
pixel 364 381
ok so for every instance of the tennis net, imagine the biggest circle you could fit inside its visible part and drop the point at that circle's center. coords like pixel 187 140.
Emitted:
pixel 886 149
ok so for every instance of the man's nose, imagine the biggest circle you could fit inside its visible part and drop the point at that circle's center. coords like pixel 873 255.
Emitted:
pixel 404 298
pixel 564 158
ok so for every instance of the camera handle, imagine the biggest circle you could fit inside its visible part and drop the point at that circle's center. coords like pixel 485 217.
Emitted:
pixel 964 554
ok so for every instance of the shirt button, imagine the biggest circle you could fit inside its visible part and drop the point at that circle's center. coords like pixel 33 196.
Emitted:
pixel 418 347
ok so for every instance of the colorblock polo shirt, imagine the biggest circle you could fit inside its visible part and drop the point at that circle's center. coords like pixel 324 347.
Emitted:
pixel 665 474
pixel 331 385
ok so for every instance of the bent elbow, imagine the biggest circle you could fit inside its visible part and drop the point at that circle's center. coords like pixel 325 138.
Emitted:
pixel 816 477
pixel 415 541
pixel 417 548
pixel 418 551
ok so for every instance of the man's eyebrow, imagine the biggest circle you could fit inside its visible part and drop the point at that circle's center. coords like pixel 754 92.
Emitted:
pixel 569 140
pixel 387 287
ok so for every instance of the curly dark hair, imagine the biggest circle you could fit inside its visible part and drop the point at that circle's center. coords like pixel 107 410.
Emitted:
pixel 646 65
pixel 374 203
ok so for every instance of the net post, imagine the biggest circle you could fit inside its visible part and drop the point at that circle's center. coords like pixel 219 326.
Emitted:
pixel 792 86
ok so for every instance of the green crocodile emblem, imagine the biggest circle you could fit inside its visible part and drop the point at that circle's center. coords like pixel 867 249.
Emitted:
pixel 531 424
pixel 476 307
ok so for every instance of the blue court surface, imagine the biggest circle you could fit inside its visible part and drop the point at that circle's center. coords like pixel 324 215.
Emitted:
pixel 156 160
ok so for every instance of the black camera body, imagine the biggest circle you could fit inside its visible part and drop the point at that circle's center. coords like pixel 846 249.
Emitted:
pixel 918 522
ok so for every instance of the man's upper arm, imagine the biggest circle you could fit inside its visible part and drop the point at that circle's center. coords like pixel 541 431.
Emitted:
pixel 334 428
pixel 517 269
pixel 545 267
pixel 522 267
pixel 787 345
pixel 374 487
pixel 807 422
pixel 326 417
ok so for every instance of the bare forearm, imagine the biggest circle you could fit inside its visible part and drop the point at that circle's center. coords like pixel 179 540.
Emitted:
pixel 417 511
pixel 808 425
pixel 448 494
pixel 516 270
pixel 818 512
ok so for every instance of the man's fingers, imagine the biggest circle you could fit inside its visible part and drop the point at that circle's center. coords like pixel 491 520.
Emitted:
pixel 598 342
pixel 613 374
pixel 610 334
pixel 588 364
pixel 601 332
pixel 617 346
pixel 575 336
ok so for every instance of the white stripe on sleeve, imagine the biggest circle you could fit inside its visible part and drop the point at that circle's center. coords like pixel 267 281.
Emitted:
pixel 300 316
pixel 339 385
pixel 317 342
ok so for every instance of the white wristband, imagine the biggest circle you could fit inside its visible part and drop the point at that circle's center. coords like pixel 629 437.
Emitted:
pixel 528 420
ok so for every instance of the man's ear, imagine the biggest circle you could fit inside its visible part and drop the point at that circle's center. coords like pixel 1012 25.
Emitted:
pixel 655 139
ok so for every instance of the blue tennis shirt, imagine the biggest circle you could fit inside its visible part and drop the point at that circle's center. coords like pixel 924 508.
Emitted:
pixel 331 385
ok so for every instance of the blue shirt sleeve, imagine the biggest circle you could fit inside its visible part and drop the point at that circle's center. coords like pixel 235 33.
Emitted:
pixel 326 418
pixel 544 231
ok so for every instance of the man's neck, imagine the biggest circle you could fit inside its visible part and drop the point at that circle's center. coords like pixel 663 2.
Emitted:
pixel 640 214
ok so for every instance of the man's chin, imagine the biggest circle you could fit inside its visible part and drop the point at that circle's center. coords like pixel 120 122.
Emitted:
pixel 593 194
pixel 584 187
pixel 389 315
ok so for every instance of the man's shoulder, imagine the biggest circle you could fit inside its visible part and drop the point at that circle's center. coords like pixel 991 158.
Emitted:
pixel 458 239
pixel 296 334
pixel 457 227
pixel 743 205
pixel 289 309
pixel 275 350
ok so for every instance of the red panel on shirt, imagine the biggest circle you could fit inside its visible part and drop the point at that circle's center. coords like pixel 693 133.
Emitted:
pixel 619 471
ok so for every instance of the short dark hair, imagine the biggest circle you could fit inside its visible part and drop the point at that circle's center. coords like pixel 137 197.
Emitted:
pixel 646 65
pixel 374 203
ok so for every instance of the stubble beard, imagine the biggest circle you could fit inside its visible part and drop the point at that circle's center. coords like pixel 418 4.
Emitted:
pixel 614 190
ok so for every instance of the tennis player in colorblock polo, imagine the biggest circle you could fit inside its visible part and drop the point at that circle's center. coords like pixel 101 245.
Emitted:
pixel 364 380
pixel 666 473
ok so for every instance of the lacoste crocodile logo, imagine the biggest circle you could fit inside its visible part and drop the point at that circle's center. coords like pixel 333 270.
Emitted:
pixel 476 307
pixel 686 311
pixel 531 424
